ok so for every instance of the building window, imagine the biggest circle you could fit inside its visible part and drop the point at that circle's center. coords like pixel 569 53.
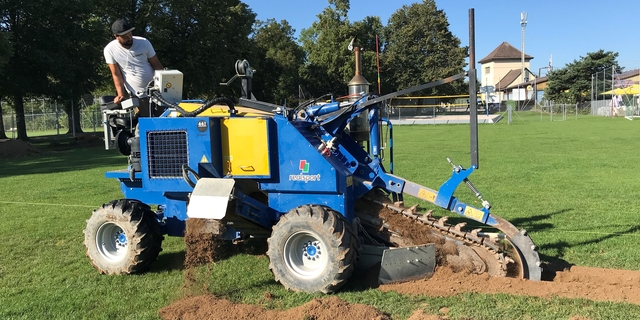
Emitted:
pixel 487 70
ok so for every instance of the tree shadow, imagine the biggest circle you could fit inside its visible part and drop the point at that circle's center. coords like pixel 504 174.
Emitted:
pixel 362 280
pixel 528 223
pixel 57 161
pixel 167 262
pixel 554 264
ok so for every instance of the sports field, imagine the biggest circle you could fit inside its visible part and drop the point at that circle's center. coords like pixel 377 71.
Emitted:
pixel 572 184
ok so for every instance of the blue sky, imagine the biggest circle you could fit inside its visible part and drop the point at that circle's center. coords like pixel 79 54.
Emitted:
pixel 564 29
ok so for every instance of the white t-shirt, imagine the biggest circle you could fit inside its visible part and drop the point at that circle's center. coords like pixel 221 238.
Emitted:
pixel 133 62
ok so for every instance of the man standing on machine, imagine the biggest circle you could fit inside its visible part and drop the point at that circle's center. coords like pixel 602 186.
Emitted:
pixel 132 61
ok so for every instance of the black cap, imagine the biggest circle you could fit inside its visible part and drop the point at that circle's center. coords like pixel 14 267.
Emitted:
pixel 121 27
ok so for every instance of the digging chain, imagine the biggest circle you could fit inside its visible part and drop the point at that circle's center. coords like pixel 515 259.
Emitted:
pixel 456 232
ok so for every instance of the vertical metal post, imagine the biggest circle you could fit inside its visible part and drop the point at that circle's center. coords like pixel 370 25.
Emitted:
pixel 592 87
pixel 509 114
pixel 13 125
pixel 523 23
pixel 612 97
pixel 73 119
pixel 473 94
pixel 57 122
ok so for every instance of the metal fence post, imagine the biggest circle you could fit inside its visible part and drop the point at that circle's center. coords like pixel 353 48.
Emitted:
pixel 73 119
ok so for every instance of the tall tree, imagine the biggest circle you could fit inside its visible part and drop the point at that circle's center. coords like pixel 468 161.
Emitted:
pixel 203 39
pixel 420 48
pixel 5 54
pixel 78 44
pixel 572 83
pixel 367 30
pixel 281 57
pixel 52 41
pixel 328 67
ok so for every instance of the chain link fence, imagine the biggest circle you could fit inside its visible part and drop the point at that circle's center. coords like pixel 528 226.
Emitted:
pixel 46 117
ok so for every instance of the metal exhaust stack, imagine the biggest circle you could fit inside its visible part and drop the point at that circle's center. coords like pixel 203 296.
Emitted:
pixel 359 127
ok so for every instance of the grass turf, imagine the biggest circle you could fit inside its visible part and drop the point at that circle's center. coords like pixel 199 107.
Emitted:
pixel 571 184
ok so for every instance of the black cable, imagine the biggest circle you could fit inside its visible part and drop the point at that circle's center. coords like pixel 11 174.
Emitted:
pixel 185 175
pixel 200 109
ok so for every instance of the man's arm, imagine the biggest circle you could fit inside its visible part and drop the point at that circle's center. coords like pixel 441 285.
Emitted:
pixel 155 63
pixel 118 82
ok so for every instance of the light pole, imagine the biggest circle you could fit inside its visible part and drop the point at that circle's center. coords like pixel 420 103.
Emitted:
pixel 523 23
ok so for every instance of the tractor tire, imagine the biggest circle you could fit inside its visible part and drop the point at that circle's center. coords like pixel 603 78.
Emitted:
pixel 123 237
pixel 312 249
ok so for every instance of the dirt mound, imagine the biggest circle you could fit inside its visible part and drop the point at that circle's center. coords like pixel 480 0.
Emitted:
pixel 202 239
pixel 578 282
pixel 17 148
pixel 204 244
pixel 210 307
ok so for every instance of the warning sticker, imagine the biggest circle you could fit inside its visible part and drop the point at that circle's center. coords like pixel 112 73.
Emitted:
pixel 427 195
pixel 474 213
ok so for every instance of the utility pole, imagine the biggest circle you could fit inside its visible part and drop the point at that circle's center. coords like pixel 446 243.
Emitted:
pixel 523 23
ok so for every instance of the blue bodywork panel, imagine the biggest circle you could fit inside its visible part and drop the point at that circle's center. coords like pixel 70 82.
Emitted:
pixel 311 162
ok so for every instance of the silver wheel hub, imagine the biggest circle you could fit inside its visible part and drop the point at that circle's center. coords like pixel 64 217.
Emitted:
pixel 111 242
pixel 305 256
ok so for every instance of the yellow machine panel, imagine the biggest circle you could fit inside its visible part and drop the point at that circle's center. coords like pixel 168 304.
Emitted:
pixel 245 146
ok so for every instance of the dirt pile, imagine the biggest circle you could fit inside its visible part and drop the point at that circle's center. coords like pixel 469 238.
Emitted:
pixel 203 242
pixel 210 307
pixel 17 148
pixel 578 282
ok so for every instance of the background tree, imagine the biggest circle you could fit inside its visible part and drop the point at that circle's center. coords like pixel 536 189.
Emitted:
pixel 203 39
pixel 58 45
pixel 572 83
pixel 77 45
pixel 5 54
pixel 53 51
pixel 280 58
pixel 366 30
pixel 419 48
pixel 328 67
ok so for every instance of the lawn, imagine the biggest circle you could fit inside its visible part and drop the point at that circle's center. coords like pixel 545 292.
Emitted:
pixel 571 184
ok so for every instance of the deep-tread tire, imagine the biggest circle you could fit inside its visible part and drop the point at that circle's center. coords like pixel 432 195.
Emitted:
pixel 123 237
pixel 333 243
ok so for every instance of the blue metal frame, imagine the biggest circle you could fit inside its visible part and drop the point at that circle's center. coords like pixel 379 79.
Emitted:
pixel 312 162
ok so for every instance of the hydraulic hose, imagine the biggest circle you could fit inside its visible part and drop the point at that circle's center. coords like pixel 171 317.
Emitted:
pixel 200 109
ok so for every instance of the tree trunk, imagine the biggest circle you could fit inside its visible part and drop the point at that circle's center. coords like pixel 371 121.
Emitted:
pixel 20 121
pixel 73 120
pixel 3 135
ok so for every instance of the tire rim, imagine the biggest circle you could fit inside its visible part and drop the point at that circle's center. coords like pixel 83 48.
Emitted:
pixel 305 255
pixel 111 242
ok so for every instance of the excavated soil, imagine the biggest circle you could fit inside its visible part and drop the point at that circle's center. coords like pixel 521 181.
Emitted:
pixel 203 243
pixel 17 148
pixel 577 282
pixel 13 148
pixel 209 307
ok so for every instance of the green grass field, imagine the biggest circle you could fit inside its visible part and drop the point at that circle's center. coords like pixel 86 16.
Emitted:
pixel 572 184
